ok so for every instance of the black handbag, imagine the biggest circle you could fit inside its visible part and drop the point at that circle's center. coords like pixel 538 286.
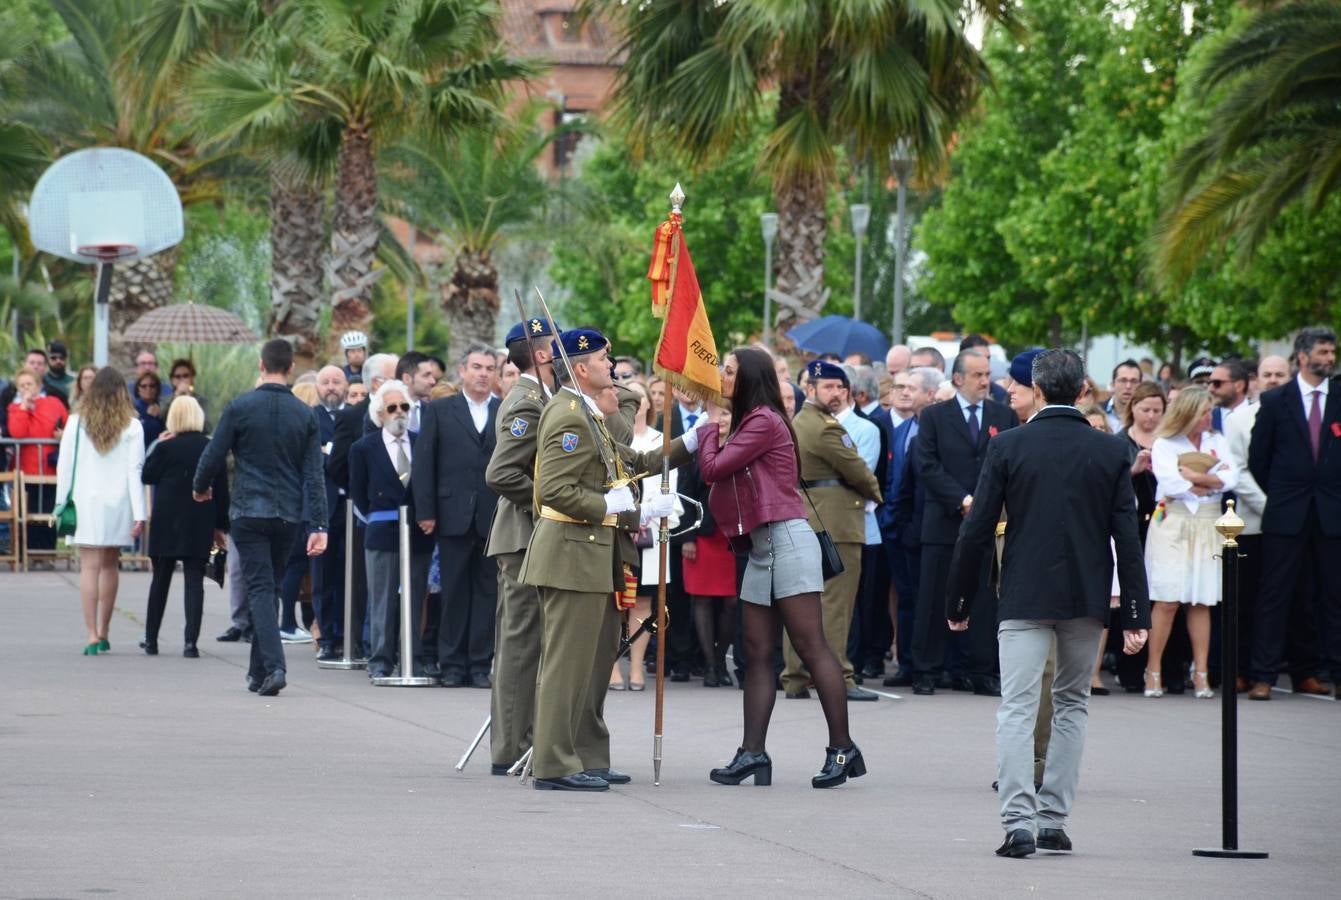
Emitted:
pixel 217 565
pixel 831 564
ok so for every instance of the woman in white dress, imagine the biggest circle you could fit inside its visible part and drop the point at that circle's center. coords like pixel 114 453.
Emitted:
pixel 102 453
pixel 1193 468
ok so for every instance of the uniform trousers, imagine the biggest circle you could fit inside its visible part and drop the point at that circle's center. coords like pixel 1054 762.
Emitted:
pixel 578 650
pixel 836 605
pixel 1025 646
pixel 384 604
pixel 516 662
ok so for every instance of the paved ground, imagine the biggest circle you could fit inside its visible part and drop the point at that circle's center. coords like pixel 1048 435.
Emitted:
pixel 163 777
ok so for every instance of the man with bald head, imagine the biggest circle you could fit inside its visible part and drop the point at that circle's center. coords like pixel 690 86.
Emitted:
pixel 328 569
pixel 897 359
pixel 1272 372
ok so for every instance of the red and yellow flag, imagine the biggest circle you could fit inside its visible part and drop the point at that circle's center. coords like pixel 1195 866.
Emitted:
pixel 686 352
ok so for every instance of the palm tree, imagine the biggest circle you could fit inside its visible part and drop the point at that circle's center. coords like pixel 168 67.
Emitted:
pixel 474 192
pixel 376 70
pixel 1273 139
pixel 23 152
pixel 866 74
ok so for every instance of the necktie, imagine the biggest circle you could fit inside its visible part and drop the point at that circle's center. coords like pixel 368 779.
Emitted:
pixel 402 460
pixel 689 421
pixel 973 422
pixel 1315 424
pixel 414 417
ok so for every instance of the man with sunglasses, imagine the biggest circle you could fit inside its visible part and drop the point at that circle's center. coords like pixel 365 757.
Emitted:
pixel 58 379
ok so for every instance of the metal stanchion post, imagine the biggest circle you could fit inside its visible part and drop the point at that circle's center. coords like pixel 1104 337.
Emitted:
pixel 1229 525
pixel 348 662
pixel 406 678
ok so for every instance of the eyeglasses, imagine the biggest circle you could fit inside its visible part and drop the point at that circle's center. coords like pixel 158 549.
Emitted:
pixel 1217 382
pixel 1127 382
pixel 178 376
pixel 397 407
pixel 146 386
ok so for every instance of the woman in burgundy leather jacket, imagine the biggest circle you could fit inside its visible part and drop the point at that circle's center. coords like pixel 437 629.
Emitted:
pixel 753 470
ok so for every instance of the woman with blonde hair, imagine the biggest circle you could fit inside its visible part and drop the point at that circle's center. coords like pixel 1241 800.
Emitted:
pixel 182 529
pixel 102 453
pixel 1193 468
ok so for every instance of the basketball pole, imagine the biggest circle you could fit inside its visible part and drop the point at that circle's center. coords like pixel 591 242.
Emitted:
pixel 102 289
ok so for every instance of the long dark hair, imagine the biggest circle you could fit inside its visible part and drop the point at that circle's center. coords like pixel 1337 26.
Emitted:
pixel 756 386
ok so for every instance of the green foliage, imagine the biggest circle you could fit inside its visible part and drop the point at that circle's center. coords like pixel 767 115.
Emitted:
pixel 224 260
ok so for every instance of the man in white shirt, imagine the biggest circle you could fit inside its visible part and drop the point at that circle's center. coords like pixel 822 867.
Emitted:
pixel 1126 376
pixel 866 652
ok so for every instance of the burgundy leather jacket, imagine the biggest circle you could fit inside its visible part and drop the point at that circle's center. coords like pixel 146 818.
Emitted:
pixel 753 475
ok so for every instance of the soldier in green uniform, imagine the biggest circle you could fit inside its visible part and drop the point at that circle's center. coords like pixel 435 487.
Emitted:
pixel 517 635
pixel 839 484
pixel 583 483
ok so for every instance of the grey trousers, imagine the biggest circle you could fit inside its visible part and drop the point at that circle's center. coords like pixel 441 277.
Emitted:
pixel 384 607
pixel 1024 647
pixel 237 589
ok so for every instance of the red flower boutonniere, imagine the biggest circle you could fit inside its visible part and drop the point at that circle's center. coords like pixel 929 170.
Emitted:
pixel 1214 455
pixel 1336 429
pixel 992 431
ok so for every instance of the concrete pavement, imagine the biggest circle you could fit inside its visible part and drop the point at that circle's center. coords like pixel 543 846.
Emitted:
pixel 125 775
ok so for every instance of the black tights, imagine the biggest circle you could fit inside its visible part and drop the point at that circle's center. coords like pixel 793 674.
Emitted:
pixel 714 620
pixel 800 615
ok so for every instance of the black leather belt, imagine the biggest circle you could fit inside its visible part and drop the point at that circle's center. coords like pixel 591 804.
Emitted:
pixel 825 482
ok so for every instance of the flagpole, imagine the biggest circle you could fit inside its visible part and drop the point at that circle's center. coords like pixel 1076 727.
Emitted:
pixel 663 642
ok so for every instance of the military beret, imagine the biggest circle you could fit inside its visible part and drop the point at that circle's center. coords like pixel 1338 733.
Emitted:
pixel 1022 367
pixel 821 369
pixel 580 342
pixel 531 328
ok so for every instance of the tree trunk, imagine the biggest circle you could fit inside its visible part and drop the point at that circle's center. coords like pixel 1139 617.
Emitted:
pixel 137 288
pixel 799 293
pixel 297 233
pixel 354 236
pixel 470 301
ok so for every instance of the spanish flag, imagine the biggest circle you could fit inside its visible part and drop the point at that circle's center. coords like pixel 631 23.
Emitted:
pixel 686 352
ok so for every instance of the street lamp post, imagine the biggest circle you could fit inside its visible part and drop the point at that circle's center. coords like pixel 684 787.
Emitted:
pixel 901 159
pixel 769 223
pixel 861 217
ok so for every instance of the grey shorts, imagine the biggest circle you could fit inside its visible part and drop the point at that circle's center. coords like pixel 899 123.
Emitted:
pixel 784 561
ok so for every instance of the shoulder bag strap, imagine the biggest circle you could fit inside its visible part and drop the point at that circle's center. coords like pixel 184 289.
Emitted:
pixel 74 468
pixel 814 508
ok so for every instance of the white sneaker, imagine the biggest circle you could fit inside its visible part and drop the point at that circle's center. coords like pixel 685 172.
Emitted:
pixel 299 635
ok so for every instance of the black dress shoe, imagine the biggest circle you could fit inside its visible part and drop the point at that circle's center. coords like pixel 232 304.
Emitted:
pixel 802 694
pixel 150 648
pixel 989 686
pixel 1054 839
pixel 925 685
pixel 610 776
pixel 378 672
pixel 579 782
pixel 1018 844
pixel 481 680
pixel 498 770
pixel 253 685
pixel 680 675
pixel 455 679
pixel 190 652
pixel 901 678
pixel 961 683
pixel 856 694
pixel 710 678
pixel 839 766
pixel 743 766
pixel 232 634
pixel 873 670
pixel 273 684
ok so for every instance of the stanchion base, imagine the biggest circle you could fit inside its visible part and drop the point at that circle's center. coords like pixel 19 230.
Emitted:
pixel 398 681
pixel 1222 853
pixel 345 664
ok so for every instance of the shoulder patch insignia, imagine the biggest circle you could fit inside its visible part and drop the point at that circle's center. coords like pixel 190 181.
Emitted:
pixel 519 426
pixel 847 441
pixel 569 442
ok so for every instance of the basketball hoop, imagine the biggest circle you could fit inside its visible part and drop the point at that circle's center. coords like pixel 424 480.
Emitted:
pixel 106 253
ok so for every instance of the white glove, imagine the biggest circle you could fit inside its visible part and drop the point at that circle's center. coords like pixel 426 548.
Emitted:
pixel 619 500
pixel 658 506
pixel 870 506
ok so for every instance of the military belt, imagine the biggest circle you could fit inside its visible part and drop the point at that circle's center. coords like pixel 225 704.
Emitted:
pixel 549 512
pixel 825 482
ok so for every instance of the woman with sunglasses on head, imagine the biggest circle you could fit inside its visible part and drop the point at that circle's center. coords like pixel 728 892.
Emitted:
pixel 182 376
pixel 753 466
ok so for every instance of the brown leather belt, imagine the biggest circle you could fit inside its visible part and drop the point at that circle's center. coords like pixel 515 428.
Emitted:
pixel 549 512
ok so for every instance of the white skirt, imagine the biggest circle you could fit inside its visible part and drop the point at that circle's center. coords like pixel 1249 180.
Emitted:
pixel 1181 553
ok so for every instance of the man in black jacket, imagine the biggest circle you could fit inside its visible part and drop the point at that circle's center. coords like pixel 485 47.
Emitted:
pixel 1295 456
pixel 952 440
pixel 678 642
pixel 453 500
pixel 277 472
pixel 1068 489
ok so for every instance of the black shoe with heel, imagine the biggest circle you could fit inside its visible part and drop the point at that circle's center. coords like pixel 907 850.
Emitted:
pixel 149 647
pixel 743 766
pixel 839 766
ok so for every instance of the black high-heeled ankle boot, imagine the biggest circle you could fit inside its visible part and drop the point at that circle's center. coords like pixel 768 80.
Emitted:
pixel 839 766
pixel 743 766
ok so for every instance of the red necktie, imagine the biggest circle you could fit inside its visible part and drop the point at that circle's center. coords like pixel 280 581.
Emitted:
pixel 1315 423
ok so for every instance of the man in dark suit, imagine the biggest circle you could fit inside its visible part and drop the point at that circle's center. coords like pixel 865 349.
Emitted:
pixel 1056 580
pixel 984 346
pixel 1295 456
pixel 456 439
pixel 329 568
pixel 679 643
pixel 952 439
pixel 872 628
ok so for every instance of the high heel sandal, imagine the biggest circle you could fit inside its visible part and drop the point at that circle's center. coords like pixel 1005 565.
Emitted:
pixel 1203 693
pixel 91 649
pixel 103 646
pixel 743 766
pixel 839 766
pixel 1157 690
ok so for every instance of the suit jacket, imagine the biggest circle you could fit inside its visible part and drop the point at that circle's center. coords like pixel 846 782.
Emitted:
pixel 690 482
pixel 512 466
pixel 449 466
pixel 1068 488
pixel 950 462
pixel 179 526
pixel 1281 460
pixel 827 454
pixel 880 418
pixel 326 434
pixel 900 448
pixel 374 486
pixel 351 423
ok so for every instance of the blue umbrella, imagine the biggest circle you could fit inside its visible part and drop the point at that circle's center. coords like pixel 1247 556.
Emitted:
pixel 840 335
